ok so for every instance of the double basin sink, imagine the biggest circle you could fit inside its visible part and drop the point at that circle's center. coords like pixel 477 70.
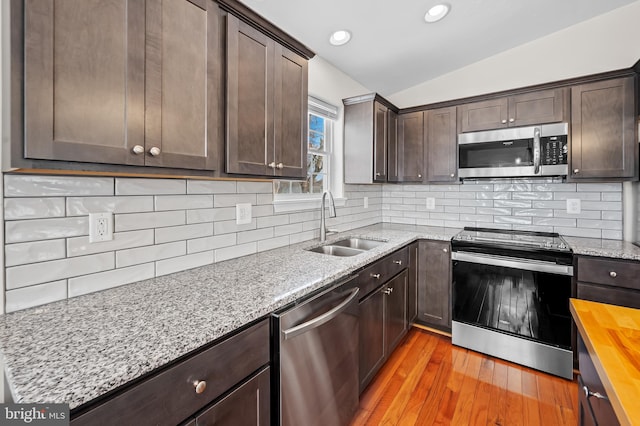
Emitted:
pixel 347 247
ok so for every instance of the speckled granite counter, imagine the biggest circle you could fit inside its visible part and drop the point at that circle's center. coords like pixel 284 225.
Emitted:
pixel 78 349
pixel 603 248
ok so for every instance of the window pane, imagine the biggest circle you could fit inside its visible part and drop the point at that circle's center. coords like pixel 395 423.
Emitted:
pixel 318 183
pixel 315 164
pixel 316 141
pixel 299 187
pixel 316 123
pixel 282 187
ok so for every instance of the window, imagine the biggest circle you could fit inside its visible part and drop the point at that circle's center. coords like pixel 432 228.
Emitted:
pixel 320 124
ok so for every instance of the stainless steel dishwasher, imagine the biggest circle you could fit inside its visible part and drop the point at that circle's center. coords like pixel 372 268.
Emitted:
pixel 316 350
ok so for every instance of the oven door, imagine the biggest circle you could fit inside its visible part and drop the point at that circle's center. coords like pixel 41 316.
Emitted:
pixel 515 309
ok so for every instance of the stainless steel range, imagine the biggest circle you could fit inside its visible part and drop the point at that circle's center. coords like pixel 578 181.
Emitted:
pixel 511 295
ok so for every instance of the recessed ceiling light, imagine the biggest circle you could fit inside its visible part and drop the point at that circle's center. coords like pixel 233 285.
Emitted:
pixel 340 37
pixel 437 12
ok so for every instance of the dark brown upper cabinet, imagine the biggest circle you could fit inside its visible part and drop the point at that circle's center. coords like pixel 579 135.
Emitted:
pixel 123 82
pixel 266 105
pixel 370 125
pixel 442 149
pixel 411 143
pixel 604 142
pixel 544 106
pixel 394 168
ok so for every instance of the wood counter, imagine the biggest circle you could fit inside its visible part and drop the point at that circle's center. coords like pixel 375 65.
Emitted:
pixel 612 337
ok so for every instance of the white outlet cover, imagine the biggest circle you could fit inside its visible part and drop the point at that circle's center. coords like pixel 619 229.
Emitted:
pixel 100 227
pixel 573 206
pixel 431 203
pixel 243 213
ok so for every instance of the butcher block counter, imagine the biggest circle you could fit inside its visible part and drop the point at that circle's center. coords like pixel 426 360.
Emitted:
pixel 611 336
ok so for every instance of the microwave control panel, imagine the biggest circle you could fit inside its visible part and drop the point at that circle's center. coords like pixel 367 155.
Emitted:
pixel 554 150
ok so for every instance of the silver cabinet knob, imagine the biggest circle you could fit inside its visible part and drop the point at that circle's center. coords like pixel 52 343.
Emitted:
pixel 420 176
pixel 398 262
pixel 280 166
pixel 138 149
pixel 376 276
pixel 445 250
pixel 378 174
pixel 155 151
pixel 613 274
pixel 511 120
pixel 504 121
pixel 272 165
pixel 386 291
pixel 576 171
pixel 200 386
pixel 452 175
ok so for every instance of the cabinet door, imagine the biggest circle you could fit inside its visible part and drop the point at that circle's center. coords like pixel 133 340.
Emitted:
pixel 379 142
pixel 371 336
pixel 250 87
pixel 290 106
pixel 396 324
pixel 84 80
pixel 603 130
pixel 412 149
pixel 434 272
pixel 183 68
pixel 412 290
pixel 545 106
pixel 247 405
pixel 442 149
pixel 484 115
pixel 394 168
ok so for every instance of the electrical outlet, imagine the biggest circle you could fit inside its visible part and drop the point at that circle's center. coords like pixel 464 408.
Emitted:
pixel 366 202
pixel 431 203
pixel 243 213
pixel 573 206
pixel 100 227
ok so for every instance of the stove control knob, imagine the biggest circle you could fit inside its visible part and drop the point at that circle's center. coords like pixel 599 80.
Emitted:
pixel 547 244
pixel 562 246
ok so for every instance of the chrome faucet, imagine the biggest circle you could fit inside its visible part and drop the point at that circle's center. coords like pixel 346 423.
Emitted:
pixel 332 213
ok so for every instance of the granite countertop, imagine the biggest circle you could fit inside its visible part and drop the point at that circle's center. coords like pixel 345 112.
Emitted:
pixel 78 349
pixel 612 337
pixel 118 335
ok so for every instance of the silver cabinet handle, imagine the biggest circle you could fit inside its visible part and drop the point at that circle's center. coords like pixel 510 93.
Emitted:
pixel 398 262
pixel 321 319
pixel 200 386
pixel 138 149
pixel 511 120
pixel 155 151
pixel 589 394
pixel 504 121
pixel 376 276
pixel 536 150
pixel 386 291
pixel 576 171
pixel 272 165
pixel 613 274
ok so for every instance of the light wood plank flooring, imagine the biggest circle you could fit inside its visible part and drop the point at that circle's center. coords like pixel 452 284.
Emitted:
pixel 428 381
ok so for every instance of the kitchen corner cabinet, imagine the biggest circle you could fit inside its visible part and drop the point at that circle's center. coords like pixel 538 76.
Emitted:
pixel 227 384
pixel 434 285
pixel 442 147
pixel 266 105
pixel 544 106
pixel 411 143
pixel 123 82
pixel 366 138
pixel 604 142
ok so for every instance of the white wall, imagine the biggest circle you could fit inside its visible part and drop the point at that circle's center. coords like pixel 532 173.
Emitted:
pixel 607 42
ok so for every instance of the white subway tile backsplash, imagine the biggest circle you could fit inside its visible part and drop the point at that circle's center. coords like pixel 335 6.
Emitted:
pixel 27 297
pixel 55 186
pixel 211 243
pixel 585 196
pixel 177 264
pixel 183 232
pixel 42 272
pixel 228 226
pixel 248 187
pixel 141 186
pixel 612 235
pixel 80 206
pixel 273 243
pixel 524 204
pixel 544 221
pixel 532 196
pixel 211 187
pixel 232 252
pixel 578 232
pixel 33 208
pixel 513 220
pixel 230 200
pixel 610 215
pixel 600 224
pixel 288 229
pixel 533 212
pixel 602 205
pixel 612 196
pixel 34 251
pixel 135 256
pixel 264 199
pixel 114 278
pixel 264 222
pixel 210 215
pixel 182 202
pixel 45 229
pixel 584 214
pixel 133 221
pixel 80 246
pixel 599 187
pixel 255 235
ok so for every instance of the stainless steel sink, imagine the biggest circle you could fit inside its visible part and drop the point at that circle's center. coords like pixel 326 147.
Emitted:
pixel 334 250
pixel 358 243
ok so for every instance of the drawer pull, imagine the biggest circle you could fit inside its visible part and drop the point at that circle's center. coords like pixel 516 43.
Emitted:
pixel 445 250
pixel 597 395
pixel 398 262
pixel 376 276
pixel 200 386
pixel 613 274
pixel 387 291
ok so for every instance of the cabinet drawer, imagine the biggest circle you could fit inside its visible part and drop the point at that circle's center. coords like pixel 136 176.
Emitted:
pixel 608 294
pixel 612 272
pixel 170 396
pixel 381 271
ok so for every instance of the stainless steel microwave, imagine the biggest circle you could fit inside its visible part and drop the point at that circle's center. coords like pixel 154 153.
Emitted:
pixel 520 151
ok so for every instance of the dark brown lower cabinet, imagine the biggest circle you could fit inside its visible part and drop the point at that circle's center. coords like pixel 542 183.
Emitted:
pixel 594 406
pixel 383 323
pixel 412 283
pixel 246 405
pixel 434 284
pixel 608 281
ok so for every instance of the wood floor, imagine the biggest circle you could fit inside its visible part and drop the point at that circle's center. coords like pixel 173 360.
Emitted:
pixel 428 381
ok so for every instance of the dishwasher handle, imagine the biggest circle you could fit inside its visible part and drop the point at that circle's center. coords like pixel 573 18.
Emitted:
pixel 320 319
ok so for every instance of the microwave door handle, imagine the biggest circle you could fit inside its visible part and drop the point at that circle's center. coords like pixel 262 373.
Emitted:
pixel 536 150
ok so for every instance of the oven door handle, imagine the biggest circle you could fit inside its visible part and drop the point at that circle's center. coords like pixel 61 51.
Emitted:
pixel 510 262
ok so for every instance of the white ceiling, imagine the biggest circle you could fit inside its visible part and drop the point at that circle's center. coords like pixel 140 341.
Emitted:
pixel 392 48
